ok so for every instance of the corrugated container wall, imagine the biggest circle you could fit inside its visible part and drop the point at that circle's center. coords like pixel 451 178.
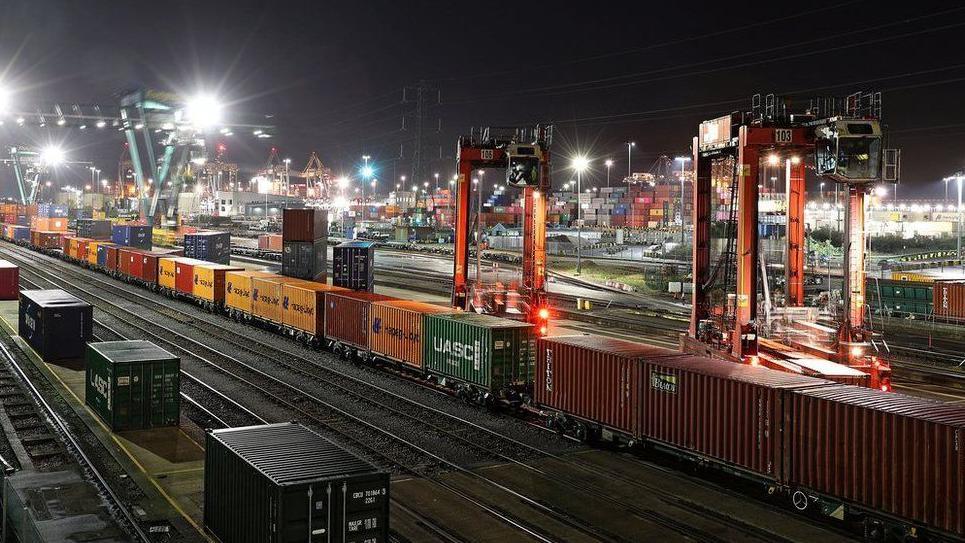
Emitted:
pixel 303 306
pixel 353 265
pixel 56 324
pixel 209 281
pixel 307 224
pixel 481 350
pixel 283 483
pixel 132 235
pixel 889 452
pixel 270 242
pixel 208 246
pixel 347 316
pixel 9 281
pixel 949 299
pixel 594 378
pixel 133 385
pixel 266 296
pixel 238 289
pixel 94 229
pixel 305 259
pixel 396 329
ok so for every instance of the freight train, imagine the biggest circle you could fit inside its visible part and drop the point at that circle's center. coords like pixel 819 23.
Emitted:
pixel 894 463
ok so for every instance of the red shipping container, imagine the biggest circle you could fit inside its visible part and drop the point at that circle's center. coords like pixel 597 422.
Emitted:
pixel 889 452
pixel 184 274
pixel 306 224
pixel 593 378
pixel 46 240
pixel 127 259
pixel 270 242
pixel 113 254
pixel 347 316
pixel 727 411
pixel 9 281
pixel 948 299
pixel 145 267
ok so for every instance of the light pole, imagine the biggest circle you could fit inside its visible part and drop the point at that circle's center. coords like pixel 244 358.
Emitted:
pixel 630 146
pixel 947 179
pixel 609 164
pixel 683 161
pixel 959 177
pixel 822 191
pixel 580 164
pixel 436 175
pixel 288 185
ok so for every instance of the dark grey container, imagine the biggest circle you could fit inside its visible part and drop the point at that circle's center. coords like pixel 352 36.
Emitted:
pixel 305 259
pixel 353 265
pixel 56 324
pixel 282 483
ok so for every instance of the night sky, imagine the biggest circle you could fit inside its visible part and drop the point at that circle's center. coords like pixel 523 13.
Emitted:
pixel 331 74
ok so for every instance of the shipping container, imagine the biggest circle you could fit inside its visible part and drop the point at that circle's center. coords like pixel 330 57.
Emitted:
pixel 303 306
pixel 167 273
pixel 266 296
pixel 208 246
pixel 730 412
pixel 48 210
pixel 307 224
pixel 884 451
pixel 353 265
pixel 133 385
pixel 94 229
pixel 56 324
pixel 48 225
pixel 107 256
pixel 93 250
pixel 132 235
pixel 9 281
pixel 283 483
pixel 484 352
pixel 46 240
pixel 20 233
pixel 949 299
pixel 347 317
pixel 141 265
pixel 126 259
pixel 305 259
pixel 77 248
pixel 184 274
pixel 396 329
pixel 593 378
pixel 238 289
pixel 209 281
pixel 270 242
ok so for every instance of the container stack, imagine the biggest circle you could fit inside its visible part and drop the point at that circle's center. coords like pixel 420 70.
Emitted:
pixel 56 324
pixel 353 265
pixel 260 478
pixel 305 243
pixel 94 229
pixel 208 246
pixel 133 385
pixel 137 236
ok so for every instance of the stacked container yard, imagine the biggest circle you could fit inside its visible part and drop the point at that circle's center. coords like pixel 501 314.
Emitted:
pixel 133 385
pixel 283 482
pixel 305 243
pixel 94 229
pixel 208 246
pixel 353 265
pixel 56 324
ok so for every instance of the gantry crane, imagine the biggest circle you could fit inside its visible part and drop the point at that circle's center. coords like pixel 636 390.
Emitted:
pixel 845 140
pixel 31 165
pixel 524 154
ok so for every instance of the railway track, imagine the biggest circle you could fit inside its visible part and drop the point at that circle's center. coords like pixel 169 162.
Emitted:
pixel 444 425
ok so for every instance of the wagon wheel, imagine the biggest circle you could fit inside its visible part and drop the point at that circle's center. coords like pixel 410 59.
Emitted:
pixel 581 432
pixel 800 500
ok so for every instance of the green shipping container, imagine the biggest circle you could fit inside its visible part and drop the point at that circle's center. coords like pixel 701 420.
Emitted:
pixel 133 385
pixel 485 352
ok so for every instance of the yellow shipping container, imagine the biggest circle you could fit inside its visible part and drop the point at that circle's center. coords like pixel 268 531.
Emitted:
pixel 99 215
pixel 209 281
pixel 912 277
pixel 303 305
pixel 266 296
pixel 238 289
pixel 396 331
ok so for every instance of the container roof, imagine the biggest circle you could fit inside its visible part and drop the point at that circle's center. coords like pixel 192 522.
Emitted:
pixel 131 351
pixel 621 347
pixel 724 369
pixel 363 295
pixel 892 402
pixel 289 453
pixel 488 321
pixel 49 297
pixel 361 244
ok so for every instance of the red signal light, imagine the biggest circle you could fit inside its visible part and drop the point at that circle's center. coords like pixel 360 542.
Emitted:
pixel 542 330
pixel 543 313
pixel 885 388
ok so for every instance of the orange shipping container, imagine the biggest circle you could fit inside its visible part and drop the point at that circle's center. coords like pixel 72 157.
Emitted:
pixel 949 299
pixel 303 305
pixel 48 225
pixel 396 329
pixel 238 288
pixel 167 273
pixel 266 297
pixel 209 281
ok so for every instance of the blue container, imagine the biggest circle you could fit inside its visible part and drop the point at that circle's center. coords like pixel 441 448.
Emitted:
pixel 52 211
pixel 21 233
pixel 208 246
pixel 102 255
pixel 23 220
pixel 132 235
